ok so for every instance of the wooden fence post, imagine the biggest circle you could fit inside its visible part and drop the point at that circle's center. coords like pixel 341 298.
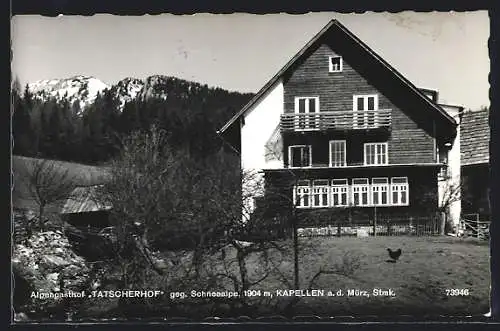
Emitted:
pixel 296 251
pixel 443 223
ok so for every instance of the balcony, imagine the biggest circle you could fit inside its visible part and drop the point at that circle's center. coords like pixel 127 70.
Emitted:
pixel 336 120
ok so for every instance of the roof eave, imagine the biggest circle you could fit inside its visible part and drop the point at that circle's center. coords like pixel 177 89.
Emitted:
pixel 477 163
pixel 348 168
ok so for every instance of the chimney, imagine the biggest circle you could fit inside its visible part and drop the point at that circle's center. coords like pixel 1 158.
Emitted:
pixel 431 94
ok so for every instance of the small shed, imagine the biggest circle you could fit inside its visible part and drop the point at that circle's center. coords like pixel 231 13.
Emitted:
pixel 83 208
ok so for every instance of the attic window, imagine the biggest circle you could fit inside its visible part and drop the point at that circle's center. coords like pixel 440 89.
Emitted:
pixel 335 63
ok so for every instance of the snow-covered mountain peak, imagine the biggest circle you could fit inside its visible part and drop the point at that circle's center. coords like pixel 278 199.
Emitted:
pixel 83 89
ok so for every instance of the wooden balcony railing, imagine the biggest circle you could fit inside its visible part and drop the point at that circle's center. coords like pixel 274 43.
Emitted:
pixel 336 120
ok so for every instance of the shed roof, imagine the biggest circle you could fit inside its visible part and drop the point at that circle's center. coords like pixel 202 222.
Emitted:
pixel 475 137
pixel 83 200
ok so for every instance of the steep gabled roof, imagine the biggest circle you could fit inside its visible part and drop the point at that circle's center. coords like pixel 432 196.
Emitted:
pixel 334 24
pixel 475 137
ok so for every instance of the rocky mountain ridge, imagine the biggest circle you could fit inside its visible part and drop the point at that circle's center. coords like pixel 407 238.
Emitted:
pixel 84 89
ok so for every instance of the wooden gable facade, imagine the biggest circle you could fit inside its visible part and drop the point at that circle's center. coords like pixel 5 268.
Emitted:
pixel 411 136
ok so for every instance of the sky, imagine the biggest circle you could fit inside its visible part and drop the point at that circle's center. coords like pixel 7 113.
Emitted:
pixel 241 52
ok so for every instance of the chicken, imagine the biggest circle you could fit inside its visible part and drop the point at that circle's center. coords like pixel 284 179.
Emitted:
pixel 394 255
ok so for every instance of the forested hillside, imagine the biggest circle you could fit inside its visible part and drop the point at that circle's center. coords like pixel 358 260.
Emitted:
pixel 55 126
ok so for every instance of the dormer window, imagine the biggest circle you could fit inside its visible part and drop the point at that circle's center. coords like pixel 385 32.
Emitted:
pixel 335 63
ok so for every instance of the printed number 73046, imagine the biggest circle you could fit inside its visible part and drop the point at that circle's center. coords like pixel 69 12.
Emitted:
pixel 457 291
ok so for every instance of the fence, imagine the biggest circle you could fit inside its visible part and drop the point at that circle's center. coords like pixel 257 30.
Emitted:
pixel 420 226
pixel 471 226
pixel 20 229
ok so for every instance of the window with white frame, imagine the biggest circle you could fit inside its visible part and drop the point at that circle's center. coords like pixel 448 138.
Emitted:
pixel 399 191
pixel 442 154
pixel 335 63
pixel 363 192
pixel 303 107
pixel 340 191
pixel 337 153
pixel 380 191
pixel 364 107
pixel 375 153
pixel 299 156
pixel 306 105
pixel 365 102
pixel 360 189
pixel 302 194
pixel 320 193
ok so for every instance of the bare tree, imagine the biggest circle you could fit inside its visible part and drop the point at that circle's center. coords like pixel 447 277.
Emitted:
pixel 162 195
pixel 137 190
pixel 450 193
pixel 47 183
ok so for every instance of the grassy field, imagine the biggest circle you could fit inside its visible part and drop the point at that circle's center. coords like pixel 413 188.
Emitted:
pixel 80 174
pixel 421 280
pixel 427 268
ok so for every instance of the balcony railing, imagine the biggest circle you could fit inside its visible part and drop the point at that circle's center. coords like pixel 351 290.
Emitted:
pixel 336 120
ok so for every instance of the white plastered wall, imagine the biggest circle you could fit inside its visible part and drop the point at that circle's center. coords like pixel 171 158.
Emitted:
pixel 449 189
pixel 258 127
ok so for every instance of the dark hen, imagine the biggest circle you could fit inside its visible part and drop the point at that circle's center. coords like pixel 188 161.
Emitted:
pixel 394 254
